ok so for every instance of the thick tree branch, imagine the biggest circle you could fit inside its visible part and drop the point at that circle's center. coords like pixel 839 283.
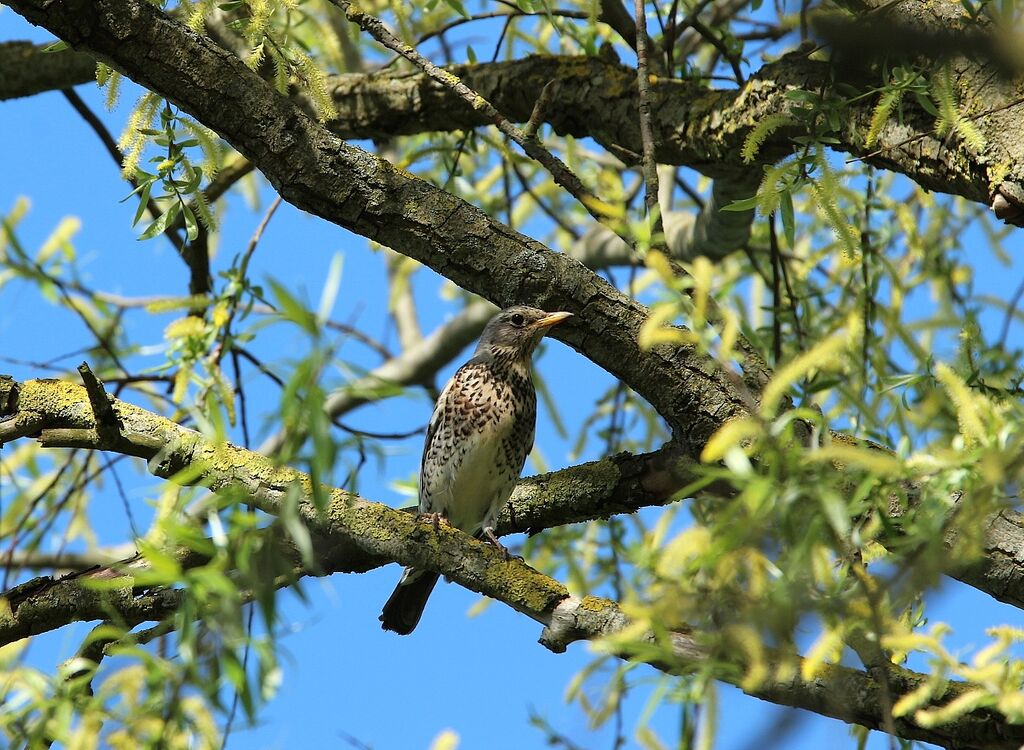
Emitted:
pixel 699 128
pixel 27 70
pixel 319 173
pixel 379 532
pixel 59 415
pixel 706 129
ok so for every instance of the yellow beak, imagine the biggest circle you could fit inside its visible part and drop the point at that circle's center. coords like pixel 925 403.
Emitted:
pixel 552 319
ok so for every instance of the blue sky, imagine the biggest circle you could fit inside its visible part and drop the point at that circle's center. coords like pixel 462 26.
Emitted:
pixel 481 677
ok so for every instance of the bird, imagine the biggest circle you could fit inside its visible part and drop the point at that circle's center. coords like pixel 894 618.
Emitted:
pixel 478 438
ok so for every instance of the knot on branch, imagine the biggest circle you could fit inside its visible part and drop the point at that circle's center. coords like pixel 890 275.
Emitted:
pixel 576 619
pixel 1008 203
pixel 8 394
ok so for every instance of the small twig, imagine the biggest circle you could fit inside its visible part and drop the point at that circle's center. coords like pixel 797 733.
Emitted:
pixel 711 38
pixel 379 435
pixel 650 166
pixel 776 291
pixel 560 172
pixel 249 357
pixel 515 12
pixel 107 424
pixel 551 213
pixel 243 411
pixel 869 302
pixel 62 287
pixel 539 110
pixel 691 192
pixel 243 269
pixel 674 30
pixel 1011 308
pixel 109 464
pixel 245 665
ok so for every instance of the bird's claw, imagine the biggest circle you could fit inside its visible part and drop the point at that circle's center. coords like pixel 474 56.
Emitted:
pixel 435 520
pixel 490 537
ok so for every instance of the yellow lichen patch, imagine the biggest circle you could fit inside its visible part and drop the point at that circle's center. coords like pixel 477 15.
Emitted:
pixel 594 604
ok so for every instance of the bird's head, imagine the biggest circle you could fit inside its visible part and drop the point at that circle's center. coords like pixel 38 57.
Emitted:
pixel 516 331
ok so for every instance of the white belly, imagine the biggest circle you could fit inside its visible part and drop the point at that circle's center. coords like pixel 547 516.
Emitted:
pixel 476 486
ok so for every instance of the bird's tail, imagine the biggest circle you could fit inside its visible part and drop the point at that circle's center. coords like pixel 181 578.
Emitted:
pixel 405 605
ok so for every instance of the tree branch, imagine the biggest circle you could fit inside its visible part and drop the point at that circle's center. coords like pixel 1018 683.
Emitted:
pixel 558 169
pixel 380 533
pixel 317 172
pixel 700 128
pixel 29 71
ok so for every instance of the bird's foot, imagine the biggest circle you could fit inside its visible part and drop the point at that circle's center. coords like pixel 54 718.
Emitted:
pixel 490 537
pixel 436 519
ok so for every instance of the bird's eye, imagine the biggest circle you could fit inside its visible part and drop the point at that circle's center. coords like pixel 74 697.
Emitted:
pixel 517 319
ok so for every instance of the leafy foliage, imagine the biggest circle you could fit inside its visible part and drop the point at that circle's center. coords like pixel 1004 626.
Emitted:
pixel 815 531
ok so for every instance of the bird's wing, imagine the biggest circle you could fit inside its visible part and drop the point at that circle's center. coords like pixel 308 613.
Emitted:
pixel 443 409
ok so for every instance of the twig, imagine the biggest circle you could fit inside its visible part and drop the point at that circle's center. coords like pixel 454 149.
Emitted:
pixel 1011 308
pixel 711 38
pixel 109 465
pixel 243 269
pixel 551 213
pixel 379 435
pixel 507 15
pixel 107 423
pixel 243 411
pixel 674 31
pixel 776 291
pixel 650 166
pixel 539 109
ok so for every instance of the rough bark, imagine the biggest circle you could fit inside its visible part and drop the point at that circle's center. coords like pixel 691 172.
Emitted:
pixel 28 71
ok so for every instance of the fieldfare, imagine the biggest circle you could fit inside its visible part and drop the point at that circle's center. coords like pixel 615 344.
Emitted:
pixel 478 439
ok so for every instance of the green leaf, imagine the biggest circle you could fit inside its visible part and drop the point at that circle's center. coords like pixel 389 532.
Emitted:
pixel 836 513
pixel 458 7
pixel 292 309
pixel 788 219
pixel 746 204
pixel 926 103
pixel 159 225
pixel 191 225
pixel 143 201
